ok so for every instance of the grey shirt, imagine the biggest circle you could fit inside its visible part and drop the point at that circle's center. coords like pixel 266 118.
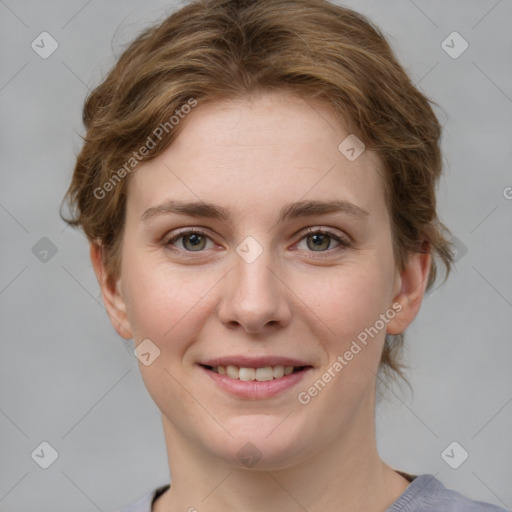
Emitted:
pixel 425 493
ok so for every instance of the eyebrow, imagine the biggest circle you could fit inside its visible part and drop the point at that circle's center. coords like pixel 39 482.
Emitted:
pixel 289 211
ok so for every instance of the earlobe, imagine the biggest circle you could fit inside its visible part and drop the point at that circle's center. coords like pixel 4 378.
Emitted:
pixel 111 294
pixel 412 283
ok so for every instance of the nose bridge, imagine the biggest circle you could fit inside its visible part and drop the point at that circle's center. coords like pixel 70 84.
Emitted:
pixel 254 297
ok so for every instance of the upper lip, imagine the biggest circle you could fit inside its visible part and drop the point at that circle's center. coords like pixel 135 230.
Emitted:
pixel 254 362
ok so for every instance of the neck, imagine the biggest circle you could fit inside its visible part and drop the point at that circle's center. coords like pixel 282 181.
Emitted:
pixel 345 475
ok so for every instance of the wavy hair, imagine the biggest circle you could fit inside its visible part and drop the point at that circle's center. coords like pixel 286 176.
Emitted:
pixel 225 49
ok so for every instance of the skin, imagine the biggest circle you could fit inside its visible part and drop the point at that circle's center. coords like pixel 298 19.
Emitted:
pixel 253 156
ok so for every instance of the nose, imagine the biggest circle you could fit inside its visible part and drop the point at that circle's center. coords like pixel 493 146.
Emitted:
pixel 255 297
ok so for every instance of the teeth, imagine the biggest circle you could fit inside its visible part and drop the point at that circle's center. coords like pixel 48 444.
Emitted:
pixel 247 374
pixel 263 374
pixel 258 374
pixel 279 371
pixel 232 371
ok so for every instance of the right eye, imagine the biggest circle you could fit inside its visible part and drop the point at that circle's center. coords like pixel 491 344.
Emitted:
pixel 192 240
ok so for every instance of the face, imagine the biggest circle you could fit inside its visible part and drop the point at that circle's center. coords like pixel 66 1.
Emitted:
pixel 254 242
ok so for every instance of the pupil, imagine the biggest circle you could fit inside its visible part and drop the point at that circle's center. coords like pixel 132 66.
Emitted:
pixel 194 239
pixel 319 239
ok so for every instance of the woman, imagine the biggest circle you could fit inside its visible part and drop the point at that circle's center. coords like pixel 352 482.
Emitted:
pixel 257 184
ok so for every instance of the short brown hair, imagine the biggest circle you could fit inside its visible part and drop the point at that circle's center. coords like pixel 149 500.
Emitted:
pixel 225 49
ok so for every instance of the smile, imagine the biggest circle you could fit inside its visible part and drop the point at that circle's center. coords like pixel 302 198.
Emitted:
pixel 262 374
pixel 255 380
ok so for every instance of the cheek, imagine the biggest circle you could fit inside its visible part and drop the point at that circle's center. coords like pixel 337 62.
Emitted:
pixel 347 299
pixel 164 300
pixel 164 306
pixel 168 303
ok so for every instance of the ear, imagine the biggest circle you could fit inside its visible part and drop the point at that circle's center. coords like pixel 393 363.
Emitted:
pixel 410 286
pixel 112 297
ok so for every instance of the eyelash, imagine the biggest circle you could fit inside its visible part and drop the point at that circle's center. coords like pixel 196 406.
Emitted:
pixel 344 244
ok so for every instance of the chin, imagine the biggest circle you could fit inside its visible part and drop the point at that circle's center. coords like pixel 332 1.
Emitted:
pixel 263 445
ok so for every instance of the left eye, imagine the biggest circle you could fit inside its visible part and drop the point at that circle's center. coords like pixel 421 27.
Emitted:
pixel 320 241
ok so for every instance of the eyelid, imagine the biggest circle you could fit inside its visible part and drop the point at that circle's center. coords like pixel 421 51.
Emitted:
pixel 176 233
pixel 345 238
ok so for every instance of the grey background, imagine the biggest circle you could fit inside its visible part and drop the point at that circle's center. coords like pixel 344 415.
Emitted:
pixel 67 378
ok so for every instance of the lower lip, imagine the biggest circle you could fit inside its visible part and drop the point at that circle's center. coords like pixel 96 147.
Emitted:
pixel 253 388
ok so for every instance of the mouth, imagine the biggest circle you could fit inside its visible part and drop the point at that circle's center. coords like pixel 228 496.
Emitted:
pixel 259 374
pixel 255 378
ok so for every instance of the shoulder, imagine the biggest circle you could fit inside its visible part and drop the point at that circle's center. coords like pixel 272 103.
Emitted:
pixel 427 494
pixel 145 503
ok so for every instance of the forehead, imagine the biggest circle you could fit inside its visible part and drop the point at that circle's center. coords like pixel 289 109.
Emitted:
pixel 258 152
